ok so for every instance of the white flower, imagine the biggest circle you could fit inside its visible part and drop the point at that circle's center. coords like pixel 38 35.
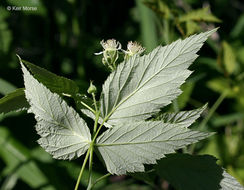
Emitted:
pixel 134 48
pixel 109 45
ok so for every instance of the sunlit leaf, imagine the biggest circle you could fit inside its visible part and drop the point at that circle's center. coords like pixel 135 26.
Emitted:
pixel 63 133
pixel 183 118
pixel 127 146
pixel 140 87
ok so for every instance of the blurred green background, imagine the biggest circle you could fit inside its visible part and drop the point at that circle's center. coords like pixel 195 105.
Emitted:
pixel 62 36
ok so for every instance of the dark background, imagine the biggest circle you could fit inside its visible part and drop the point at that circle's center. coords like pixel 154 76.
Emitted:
pixel 62 36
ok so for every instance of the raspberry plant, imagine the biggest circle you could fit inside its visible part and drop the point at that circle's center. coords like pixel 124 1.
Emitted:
pixel 135 91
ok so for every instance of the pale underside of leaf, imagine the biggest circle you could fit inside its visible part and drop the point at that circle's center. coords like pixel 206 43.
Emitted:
pixel 63 133
pixel 184 118
pixel 230 183
pixel 141 86
pixel 126 147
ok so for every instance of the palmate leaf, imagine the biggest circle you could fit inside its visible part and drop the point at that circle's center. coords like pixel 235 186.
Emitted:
pixel 184 118
pixel 127 146
pixel 63 133
pixel 141 86
pixel 180 170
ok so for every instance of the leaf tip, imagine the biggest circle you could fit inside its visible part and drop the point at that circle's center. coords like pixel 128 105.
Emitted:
pixel 210 32
pixel 19 58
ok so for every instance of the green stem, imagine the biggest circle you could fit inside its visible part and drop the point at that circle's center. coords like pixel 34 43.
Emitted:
pixel 104 120
pixel 92 143
pixel 96 122
pixel 97 113
pixel 82 169
pixel 210 114
pixel 99 179
pixel 90 167
pixel 213 109
pixel 95 102
pixel 166 31
pixel 88 107
pixel 94 138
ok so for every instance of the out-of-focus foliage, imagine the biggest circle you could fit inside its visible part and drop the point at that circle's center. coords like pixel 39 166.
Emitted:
pixel 62 36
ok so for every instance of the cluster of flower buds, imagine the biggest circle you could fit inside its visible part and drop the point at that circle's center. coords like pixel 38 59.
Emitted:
pixel 111 52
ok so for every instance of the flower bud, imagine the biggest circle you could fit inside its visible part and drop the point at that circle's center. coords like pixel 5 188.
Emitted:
pixel 92 89
pixel 110 52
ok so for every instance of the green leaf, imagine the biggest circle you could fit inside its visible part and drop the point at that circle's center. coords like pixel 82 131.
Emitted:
pixel 199 15
pixel 148 26
pixel 141 86
pixel 5 33
pixel 191 27
pixel 229 58
pixel 224 120
pixel 238 29
pixel 222 85
pixel 127 146
pixel 187 172
pixel 187 89
pixel 18 161
pixel 14 101
pixel 159 7
pixel 55 83
pixel 183 118
pixel 6 87
pixel 63 133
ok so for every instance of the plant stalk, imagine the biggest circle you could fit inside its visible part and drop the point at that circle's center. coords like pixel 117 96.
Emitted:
pixel 213 109
pixel 95 102
pixel 210 114
pixel 90 167
pixel 99 179
pixel 82 169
